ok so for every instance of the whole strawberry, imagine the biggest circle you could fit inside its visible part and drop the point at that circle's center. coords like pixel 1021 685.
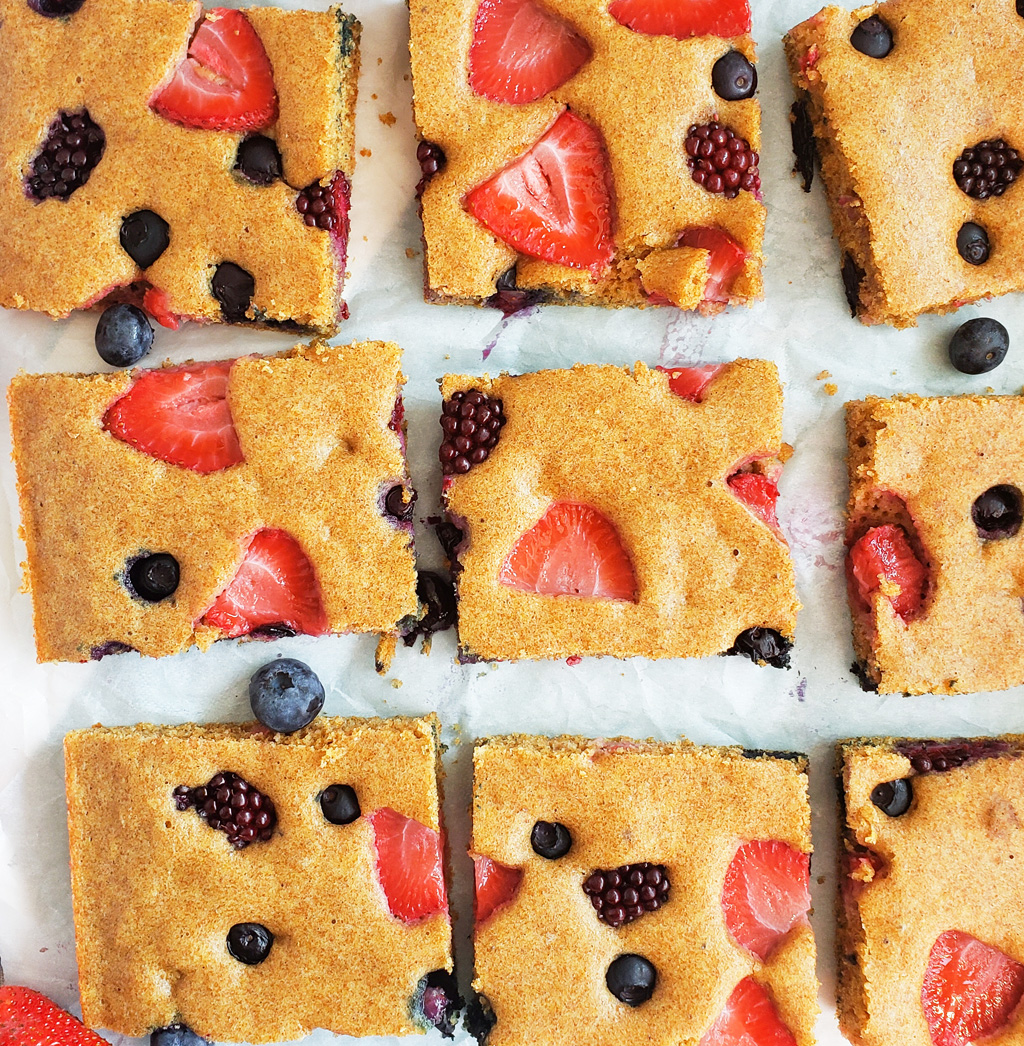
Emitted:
pixel 28 1018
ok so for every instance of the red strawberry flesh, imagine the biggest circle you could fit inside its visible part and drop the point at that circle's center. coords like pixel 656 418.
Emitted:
pixel 724 265
pixel 408 866
pixel 226 82
pixel 179 415
pixel 28 1018
pixel 691 382
pixel 683 18
pixel 275 585
pixel 495 885
pixel 885 552
pixel 555 201
pixel 157 303
pixel 521 51
pixel 758 493
pixel 766 893
pixel 748 1019
pixel 970 989
pixel 572 551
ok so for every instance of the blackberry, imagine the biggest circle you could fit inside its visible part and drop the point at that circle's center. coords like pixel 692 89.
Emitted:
pixel 153 577
pixel 232 805
pixel 987 169
pixel 258 159
pixel 325 206
pixel 928 757
pixel 72 148
pixel 472 423
pixel 431 159
pixel 720 161
pixel 998 512
pixel 763 646
pixel 623 894
pixel 893 798
pixel 972 243
pixel 480 1019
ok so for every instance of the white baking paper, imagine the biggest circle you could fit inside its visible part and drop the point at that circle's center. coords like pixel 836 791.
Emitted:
pixel 803 325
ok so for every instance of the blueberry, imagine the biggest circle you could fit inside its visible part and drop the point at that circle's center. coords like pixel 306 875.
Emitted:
pixel 893 798
pixel 233 287
pixel 972 243
pixel 258 159
pixel 631 979
pixel 123 335
pixel 55 8
pixel 286 695
pixel 872 37
pixel 154 577
pixel 998 512
pixel 249 943
pixel 853 277
pixel 979 345
pixel 176 1035
pixel 340 804
pixel 437 594
pixel 763 645
pixel 437 1001
pixel 144 237
pixel 480 1019
pixel 396 505
pixel 733 77
pixel 550 840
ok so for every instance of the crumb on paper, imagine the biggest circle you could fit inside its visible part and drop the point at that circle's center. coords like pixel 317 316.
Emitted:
pixel 785 452
pixel 388 119
pixel 380 61
pixel 365 152
pixel 411 252
pixel 831 388
pixel 373 96
pixel 366 239
pixel 396 684
pixel 989 390
pixel 823 375
pixel 406 77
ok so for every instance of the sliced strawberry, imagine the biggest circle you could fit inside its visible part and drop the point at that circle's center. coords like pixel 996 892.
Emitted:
pixel 691 382
pixel 156 302
pixel 766 893
pixel 724 265
pixel 275 585
pixel 226 82
pixel 179 415
pixel 748 1019
pixel 408 865
pixel 495 886
pixel 970 989
pixel 683 18
pixel 572 551
pixel 758 493
pixel 884 552
pixel 555 201
pixel 520 51
pixel 28 1018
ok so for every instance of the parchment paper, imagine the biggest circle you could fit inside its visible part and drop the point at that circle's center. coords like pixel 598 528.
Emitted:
pixel 803 325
